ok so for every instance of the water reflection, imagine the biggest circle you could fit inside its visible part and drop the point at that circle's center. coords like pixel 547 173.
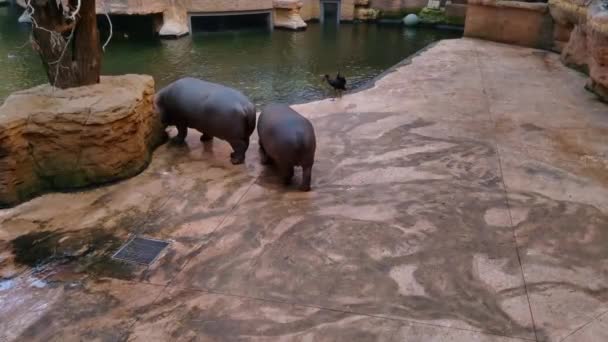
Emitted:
pixel 267 66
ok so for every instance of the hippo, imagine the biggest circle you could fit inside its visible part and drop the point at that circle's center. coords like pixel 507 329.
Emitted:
pixel 287 139
pixel 212 109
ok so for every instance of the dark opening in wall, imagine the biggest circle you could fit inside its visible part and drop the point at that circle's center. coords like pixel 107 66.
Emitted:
pixel 330 11
pixel 129 26
pixel 213 23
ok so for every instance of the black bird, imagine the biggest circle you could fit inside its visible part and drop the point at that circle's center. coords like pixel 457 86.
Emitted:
pixel 339 83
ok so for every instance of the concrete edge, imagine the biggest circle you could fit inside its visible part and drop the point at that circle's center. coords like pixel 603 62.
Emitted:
pixel 372 83
pixel 405 62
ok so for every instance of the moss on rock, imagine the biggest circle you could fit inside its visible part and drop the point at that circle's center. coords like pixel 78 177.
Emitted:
pixel 431 16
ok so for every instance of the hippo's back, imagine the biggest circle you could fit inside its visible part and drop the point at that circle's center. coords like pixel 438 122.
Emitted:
pixel 193 93
pixel 285 134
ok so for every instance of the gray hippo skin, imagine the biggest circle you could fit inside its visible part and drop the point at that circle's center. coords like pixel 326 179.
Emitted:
pixel 212 109
pixel 287 139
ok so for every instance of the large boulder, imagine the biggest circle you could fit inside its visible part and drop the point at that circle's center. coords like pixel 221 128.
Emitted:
pixel 582 35
pixel 53 139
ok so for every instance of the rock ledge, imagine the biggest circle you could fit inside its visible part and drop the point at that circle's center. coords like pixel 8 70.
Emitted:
pixel 53 139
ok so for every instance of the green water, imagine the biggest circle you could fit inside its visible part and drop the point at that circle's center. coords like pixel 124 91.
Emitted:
pixel 267 66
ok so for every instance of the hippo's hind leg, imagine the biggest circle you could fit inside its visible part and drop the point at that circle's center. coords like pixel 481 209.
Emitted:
pixel 182 132
pixel 264 158
pixel 239 147
pixel 286 172
pixel 306 177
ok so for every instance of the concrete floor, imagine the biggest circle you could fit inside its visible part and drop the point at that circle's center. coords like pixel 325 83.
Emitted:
pixel 463 198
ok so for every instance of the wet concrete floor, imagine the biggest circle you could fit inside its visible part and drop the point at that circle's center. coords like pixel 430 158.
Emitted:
pixel 463 197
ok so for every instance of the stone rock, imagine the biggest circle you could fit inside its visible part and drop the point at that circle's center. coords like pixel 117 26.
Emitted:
pixel 175 23
pixel 575 53
pixel 581 34
pixel 287 14
pixel 366 14
pixel 53 139
pixel 411 20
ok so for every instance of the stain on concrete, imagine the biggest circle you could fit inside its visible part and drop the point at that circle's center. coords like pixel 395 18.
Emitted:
pixel 531 127
pixel 82 251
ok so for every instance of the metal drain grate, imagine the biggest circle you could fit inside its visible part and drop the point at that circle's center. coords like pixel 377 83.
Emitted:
pixel 141 250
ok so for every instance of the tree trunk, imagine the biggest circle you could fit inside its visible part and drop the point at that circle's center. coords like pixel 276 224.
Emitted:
pixel 70 49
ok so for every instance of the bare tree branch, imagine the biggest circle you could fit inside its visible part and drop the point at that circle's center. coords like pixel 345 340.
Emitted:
pixel 105 9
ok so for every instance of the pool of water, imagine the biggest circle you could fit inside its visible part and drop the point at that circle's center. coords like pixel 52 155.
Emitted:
pixel 267 66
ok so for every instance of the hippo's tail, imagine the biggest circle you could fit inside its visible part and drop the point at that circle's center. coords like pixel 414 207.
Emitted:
pixel 250 117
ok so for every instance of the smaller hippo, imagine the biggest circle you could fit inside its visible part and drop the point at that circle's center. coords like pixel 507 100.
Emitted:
pixel 287 139
pixel 212 109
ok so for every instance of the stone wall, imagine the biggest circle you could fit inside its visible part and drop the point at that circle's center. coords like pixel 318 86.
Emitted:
pixel 576 28
pixel 287 14
pixel 175 12
pixel 511 22
pixel 159 6
pixel 582 36
pixel 399 7
pixel 227 5
pixel 141 7
pixel 53 139
pixel 311 9
pixel 347 10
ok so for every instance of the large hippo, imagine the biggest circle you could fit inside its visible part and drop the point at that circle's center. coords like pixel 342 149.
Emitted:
pixel 287 139
pixel 212 109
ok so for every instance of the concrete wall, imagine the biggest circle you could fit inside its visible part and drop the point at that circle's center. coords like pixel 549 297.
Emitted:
pixel 348 10
pixel 177 8
pixel 227 5
pixel 512 22
pixel 577 28
pixel 397 6
pixel 132 6
pixel 143 7
pixel 312 10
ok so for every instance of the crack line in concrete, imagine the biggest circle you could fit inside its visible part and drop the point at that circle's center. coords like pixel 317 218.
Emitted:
pixel 349 312
pixel 584 325
pixel 230 212
pixel 505 190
